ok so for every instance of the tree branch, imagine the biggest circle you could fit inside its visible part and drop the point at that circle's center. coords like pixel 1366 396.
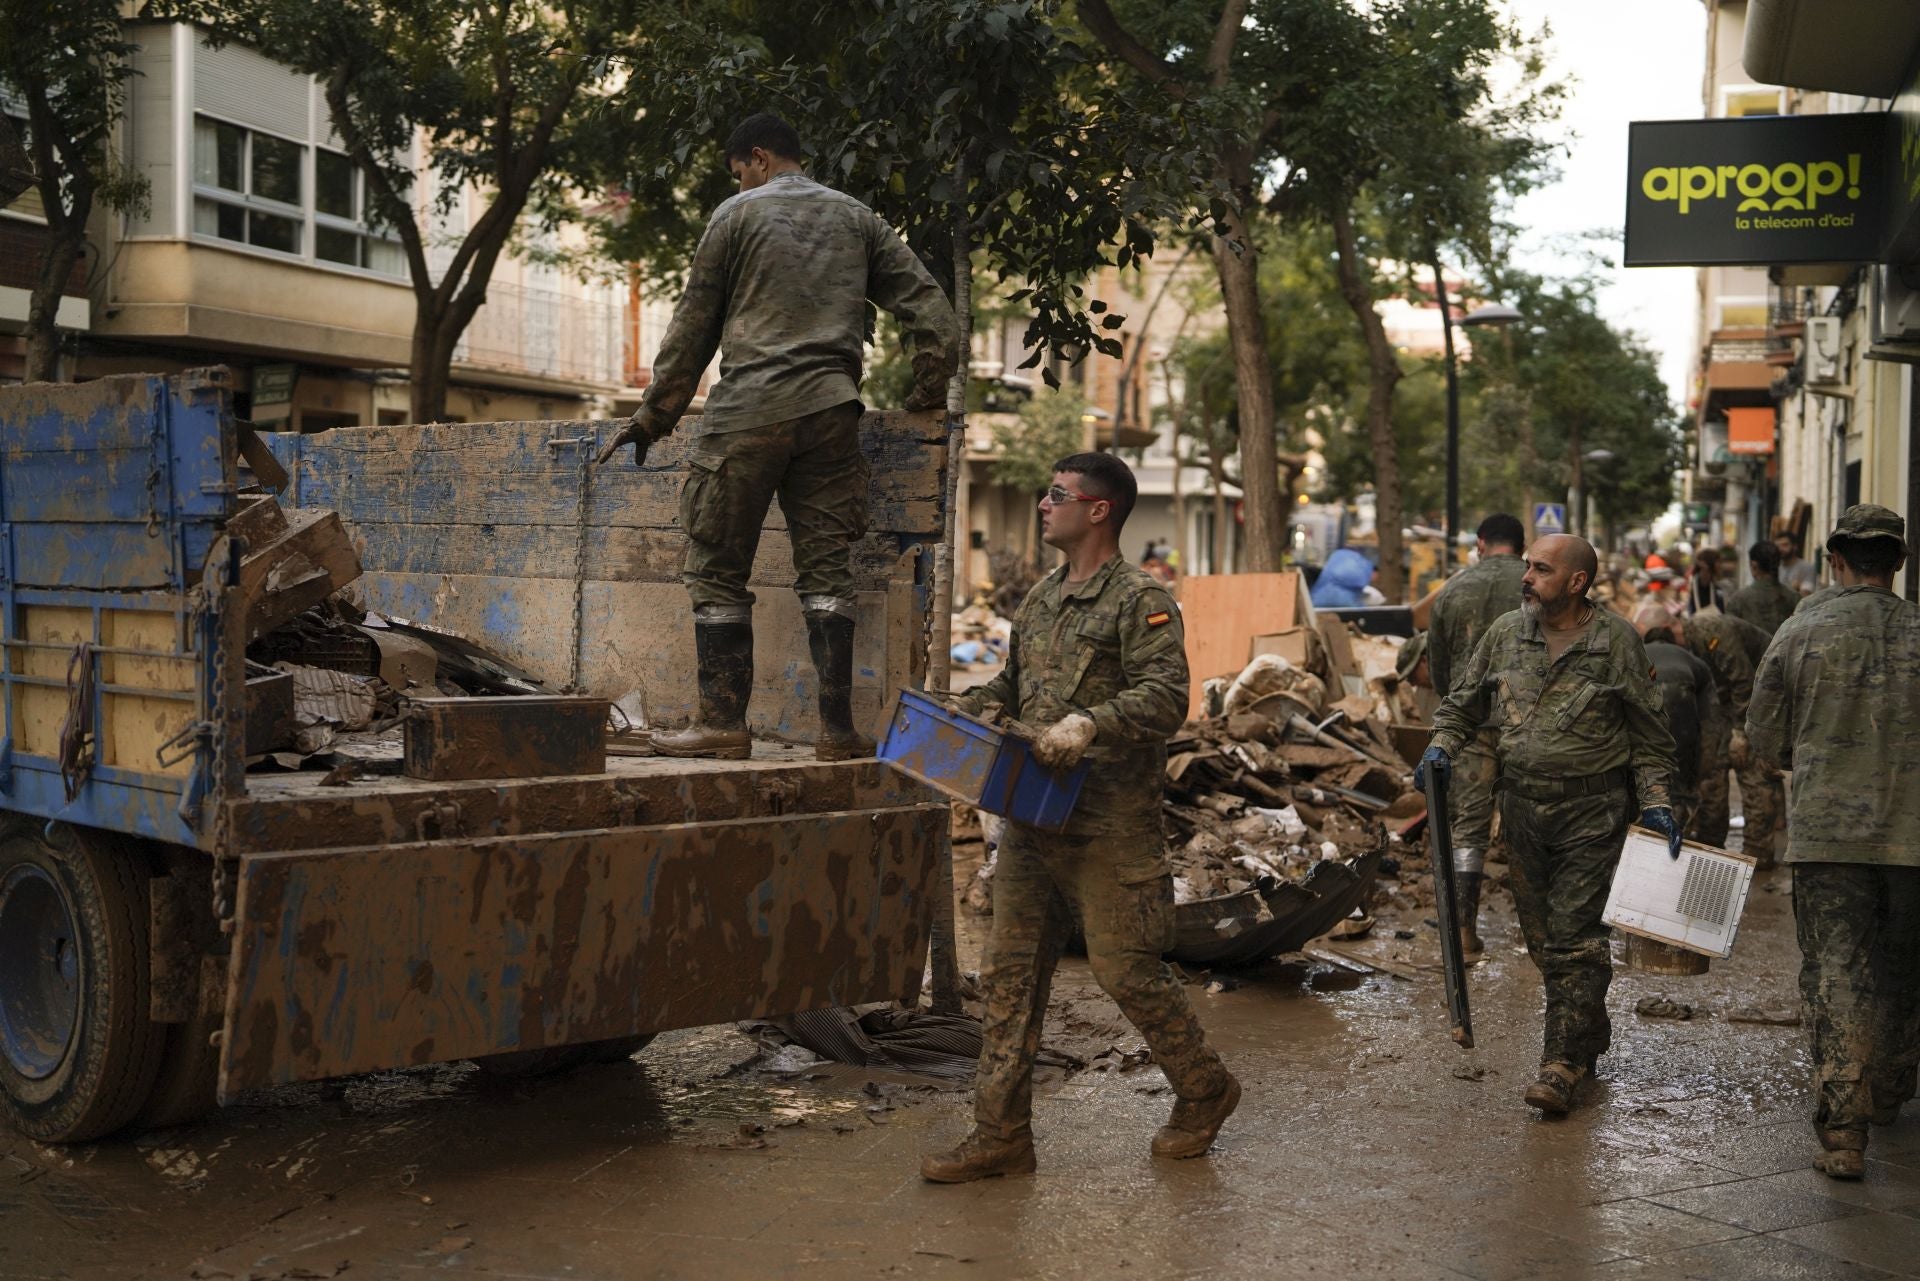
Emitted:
pixel 1106 28
pixel 397 212
pixel 1220 52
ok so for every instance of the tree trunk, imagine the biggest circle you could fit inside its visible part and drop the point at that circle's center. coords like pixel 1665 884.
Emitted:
pixel 43 305
pixel 1177 410
pixel 1239 272
pixel 431 375
pixel 1383 375
pixel 1216 468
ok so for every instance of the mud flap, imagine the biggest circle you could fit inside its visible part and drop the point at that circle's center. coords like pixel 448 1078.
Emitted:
pixel 353 960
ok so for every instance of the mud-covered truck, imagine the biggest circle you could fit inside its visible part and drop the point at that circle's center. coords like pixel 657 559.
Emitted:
pixel 175 928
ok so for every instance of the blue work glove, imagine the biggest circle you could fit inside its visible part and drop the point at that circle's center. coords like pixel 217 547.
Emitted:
pixel 1438 761
pixel 1660 819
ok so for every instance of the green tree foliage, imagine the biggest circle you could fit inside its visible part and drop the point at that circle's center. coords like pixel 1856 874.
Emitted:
pixel 1050 426
pixel 69 60
pixel 499 94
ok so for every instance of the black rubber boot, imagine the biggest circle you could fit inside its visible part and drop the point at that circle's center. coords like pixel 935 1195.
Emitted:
pixel 830 637
pixel 1467 891
pixel 726 683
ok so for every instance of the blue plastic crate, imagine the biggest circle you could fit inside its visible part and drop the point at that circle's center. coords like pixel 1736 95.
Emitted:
pixel 978 763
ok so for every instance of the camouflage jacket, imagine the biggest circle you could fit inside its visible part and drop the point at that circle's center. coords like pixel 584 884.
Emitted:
pixel 1686 691
pixel 1765 602
pixel 1721 643
pixel 1592 710
pixel 779 285
pixel 1466 607
pixel 1837 701
pixel 1113 648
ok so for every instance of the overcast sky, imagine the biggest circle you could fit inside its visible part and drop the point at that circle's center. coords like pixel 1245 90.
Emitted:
pixel 1622 60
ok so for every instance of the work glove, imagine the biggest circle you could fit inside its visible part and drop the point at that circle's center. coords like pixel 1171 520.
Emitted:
pixel 640 435
pixel 1740 754
pixel 1438 761
pixel 1065 742
pixel 1660 819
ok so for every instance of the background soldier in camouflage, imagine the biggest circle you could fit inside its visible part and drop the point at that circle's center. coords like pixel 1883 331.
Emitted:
pixel 1466 607
pixel 1837 701
pixel 780 285
pixel 1716 640
pixel 1582 733
pixel 1687 693
pixel 1099 659
pixel 1766 602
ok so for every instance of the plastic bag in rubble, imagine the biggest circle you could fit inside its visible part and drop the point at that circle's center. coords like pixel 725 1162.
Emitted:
pixel 1272 674
pixel 1287 820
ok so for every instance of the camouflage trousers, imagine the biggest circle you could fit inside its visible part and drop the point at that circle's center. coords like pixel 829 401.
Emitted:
pixel 814 465
pixel 1470 792
pixel 1712 810
pixel 1561 855
pixel 1860 978
pixel 1119 888
pixel 1761 800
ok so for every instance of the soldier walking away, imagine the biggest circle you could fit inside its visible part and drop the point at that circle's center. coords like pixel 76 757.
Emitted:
pixel 1467 606
pixel 1766 602
pixel 780 285
pixel 1837 701
pixel 1582 734
pixel 1687 693
pixel 1098 660
pixel 1719 641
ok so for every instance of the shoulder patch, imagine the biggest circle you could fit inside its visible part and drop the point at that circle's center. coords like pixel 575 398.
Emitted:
pixel 1714 643
pixel 1159 618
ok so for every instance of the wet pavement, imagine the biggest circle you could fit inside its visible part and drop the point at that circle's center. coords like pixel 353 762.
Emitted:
pixel 1367 1145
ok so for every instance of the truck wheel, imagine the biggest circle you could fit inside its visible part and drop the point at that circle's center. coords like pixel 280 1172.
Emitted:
pixel 78 1053
pixel 189 1073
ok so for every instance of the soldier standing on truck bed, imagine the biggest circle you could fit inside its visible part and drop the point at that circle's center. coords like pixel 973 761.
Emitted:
pixel 1837 701
pixel 1466 607
pixel 1098 660
pixel 780 285
pixel 1582 734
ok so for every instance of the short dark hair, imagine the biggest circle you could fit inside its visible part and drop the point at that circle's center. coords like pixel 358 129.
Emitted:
pixel 1661 632
pixel 765 131
pixel 1793 540
pixel 1104 476
pixel 1873 557
pixel 1502 530
pixel 1765 557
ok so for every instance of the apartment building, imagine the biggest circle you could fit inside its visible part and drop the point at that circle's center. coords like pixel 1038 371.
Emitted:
pixel 23 242
pixel 258 251
pixel 1802 396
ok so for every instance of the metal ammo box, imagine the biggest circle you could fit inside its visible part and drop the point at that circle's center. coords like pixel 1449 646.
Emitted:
pixel 981 764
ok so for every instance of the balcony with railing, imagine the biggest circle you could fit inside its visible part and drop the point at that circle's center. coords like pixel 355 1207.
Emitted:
pixel 546 334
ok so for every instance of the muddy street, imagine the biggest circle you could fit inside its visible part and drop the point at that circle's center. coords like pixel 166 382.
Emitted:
pixel 1367 1145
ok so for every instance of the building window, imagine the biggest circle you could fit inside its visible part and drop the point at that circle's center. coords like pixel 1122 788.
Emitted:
pixel 247 186
pixel 345 229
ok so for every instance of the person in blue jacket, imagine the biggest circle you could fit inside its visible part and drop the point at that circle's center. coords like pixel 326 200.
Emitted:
pixel 1343 581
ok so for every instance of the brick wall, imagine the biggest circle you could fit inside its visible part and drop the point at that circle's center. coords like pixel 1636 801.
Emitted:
pixel 22 246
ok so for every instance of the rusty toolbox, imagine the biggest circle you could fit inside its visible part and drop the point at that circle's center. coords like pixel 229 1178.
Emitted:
pixel 510 736
pixel 988 766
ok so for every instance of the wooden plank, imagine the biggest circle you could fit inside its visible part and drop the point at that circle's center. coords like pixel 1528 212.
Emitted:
pixel 67 418
pixel 101 484
pixel 1222 613
pixel 135 726
pixel 297 570
pixel 351 960
pixel 38 710
pixel 103 557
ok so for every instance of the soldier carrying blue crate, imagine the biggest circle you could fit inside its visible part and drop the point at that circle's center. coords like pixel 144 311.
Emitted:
pixel 1098 665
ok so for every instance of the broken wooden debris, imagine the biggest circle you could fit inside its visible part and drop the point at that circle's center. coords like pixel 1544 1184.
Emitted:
pixel 296 570
pixel 525 736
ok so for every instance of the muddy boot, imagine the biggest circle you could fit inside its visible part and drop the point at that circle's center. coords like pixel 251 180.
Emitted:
pixel 1552 1090
pixel 1469 867
pixel 830 637
pixel 1844 1154
pixel 1189 1131
pixel 980 1156
pixel 726 682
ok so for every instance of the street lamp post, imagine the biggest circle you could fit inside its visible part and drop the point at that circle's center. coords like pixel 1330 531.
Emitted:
pixel 1493 315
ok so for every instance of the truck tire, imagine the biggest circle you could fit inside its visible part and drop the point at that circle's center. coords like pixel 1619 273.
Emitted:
pixel 78 1054
pixel 189 1073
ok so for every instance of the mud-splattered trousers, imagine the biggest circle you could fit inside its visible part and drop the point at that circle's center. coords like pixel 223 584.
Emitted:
pixel 1859 931
pixel 815 466
pixel 1562 854
pixel 1712 817
pixel 1470 800
pixel 1470 603
pixel 1119 888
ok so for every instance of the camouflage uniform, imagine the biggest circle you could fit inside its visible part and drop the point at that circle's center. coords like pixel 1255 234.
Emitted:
pixel 1837 701
pixel 1580 738
pixel 1686 691
pixel 1111 648
pixel 1766 602
pixel 1466 607
pixel 780 286
pixel 1717 641
pixel 1762 799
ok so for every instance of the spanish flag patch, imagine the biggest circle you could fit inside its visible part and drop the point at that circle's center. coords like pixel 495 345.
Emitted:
pixel 1160 619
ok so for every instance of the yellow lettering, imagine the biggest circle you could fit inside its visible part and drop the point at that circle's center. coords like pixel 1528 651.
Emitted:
pixel 1824 178
pixel 1696 183
pixel 1661 184
pixel 1752 181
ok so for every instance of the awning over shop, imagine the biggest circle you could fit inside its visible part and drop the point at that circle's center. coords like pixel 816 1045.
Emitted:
pixel 1739 375
pixel 1750 430
pixel 1844 46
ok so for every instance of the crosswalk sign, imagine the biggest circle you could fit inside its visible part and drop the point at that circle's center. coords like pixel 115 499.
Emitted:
pixel 1549 518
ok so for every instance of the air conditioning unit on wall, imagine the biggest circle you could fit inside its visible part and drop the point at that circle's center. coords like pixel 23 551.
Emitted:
pixel 1895 314
pixel 1824 366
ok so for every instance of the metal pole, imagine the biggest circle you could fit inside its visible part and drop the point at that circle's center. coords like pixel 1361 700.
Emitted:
pixel 1453 421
